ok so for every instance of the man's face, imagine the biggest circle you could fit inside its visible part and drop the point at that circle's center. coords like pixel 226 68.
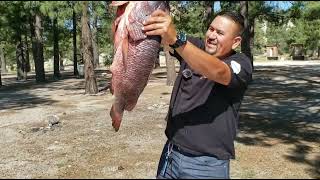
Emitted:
pixel 221 37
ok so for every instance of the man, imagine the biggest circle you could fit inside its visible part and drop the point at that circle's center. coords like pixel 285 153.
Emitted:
pixel 204 107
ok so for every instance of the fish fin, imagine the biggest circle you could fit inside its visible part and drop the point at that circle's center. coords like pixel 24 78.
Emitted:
pixel 116 118
pixel 120 10
pixel 131 104
pixel 111 88
pixel 135 31
pixel 116 113
pixel 121 7
pixel 118 3
pixel 125 49
pixel 113 29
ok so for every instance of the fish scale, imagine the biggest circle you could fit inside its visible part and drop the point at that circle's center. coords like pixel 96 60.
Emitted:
pixel 134 57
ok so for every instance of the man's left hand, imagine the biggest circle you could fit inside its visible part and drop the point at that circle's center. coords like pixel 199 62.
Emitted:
pixel 160 23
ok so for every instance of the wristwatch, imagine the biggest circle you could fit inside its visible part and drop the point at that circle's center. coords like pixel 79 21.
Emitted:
pixel 181 40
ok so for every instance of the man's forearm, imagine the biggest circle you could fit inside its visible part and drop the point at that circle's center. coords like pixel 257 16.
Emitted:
pixel 205 64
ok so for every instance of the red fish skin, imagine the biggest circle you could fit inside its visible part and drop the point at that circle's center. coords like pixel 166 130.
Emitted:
pixel 133 61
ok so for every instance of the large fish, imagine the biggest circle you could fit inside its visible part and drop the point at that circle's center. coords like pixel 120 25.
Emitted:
pixel 134 54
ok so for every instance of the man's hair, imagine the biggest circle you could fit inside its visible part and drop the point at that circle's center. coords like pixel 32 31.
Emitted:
pixel 236 17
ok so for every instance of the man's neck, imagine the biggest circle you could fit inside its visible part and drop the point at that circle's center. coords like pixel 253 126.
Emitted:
pixel 227 55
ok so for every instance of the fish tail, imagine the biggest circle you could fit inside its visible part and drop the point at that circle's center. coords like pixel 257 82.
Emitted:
pixel 132 99
pixel 116 114
pixel 130 105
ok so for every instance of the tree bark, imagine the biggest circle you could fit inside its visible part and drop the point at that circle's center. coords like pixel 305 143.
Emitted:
pixel 0 75
pixel 61 62
pixel 56 61
pixel 37 47
pixel 170 65
pixel 208 14
pixel 27 55
pixel 246 40
pixel 94 37
pixel 24 58
pixel 74 34
pixel 3 61
pixel 86 38
pixel 251 35
pixel 19 57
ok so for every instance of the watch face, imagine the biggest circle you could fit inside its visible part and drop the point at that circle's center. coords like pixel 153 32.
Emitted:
pixel 183 37
pixel 181 40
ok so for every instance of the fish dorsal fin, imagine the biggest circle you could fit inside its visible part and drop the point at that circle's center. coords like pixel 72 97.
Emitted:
pixel 118 3
pixel 120 11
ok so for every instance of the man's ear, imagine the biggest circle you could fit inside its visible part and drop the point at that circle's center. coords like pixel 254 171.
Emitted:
pixel 236 42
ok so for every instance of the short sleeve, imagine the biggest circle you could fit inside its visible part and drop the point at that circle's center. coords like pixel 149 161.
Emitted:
pixel 241 70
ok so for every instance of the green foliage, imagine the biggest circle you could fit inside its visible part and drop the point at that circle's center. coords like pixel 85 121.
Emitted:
pixel 277 35
pixel 228 5
pixel 299 24
pixel 105 17
pixel 295 11
pixel 107 59
pixel 12 23
pixel 307 33
pixel 189 16
pixel 311 11
pixel 261 10
pixel 260 40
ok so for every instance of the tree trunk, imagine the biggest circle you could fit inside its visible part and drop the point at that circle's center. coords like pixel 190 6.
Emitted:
pixel 27 57
pixel 24 59
pixel 245 43
pixel 94 37
pixel 20 57
pixel 90 79
pixel 3 61
pixel 56 69
pixel 74 33
pixel 61 62
pixel 208 14
pixel 251 35
pixel 0 75
pixel 170 65
pixel 318 52
pixel 37 48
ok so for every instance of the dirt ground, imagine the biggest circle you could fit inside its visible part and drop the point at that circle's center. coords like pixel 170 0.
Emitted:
pixel 53 130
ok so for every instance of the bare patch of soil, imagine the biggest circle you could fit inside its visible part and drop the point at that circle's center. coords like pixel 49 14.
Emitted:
pixel 278 138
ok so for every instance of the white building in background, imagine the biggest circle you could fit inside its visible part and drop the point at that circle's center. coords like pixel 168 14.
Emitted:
pixel 289 25
pixel 285 26
pixel 264 26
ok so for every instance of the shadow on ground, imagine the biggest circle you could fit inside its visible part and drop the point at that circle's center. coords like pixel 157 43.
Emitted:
pixel 16 95
pixel 284 103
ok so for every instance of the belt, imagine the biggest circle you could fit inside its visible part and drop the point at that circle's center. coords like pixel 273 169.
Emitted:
pixel 182 151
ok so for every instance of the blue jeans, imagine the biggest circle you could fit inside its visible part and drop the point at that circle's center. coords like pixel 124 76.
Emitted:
pixel 175 164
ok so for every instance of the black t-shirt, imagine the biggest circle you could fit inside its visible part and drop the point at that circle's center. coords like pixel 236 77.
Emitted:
pixel 203 115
